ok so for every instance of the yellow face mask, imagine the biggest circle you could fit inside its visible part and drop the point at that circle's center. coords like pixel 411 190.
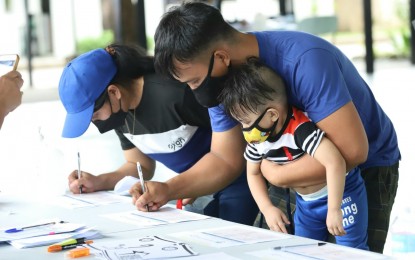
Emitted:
pixel 255 134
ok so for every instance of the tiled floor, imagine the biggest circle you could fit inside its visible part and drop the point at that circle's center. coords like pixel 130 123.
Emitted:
pixel 36 160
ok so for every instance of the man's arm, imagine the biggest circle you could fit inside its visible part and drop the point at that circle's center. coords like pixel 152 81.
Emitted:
pixel 214 171
pixel 344 128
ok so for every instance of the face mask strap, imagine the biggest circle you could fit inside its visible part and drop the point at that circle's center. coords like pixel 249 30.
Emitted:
pixel 255 124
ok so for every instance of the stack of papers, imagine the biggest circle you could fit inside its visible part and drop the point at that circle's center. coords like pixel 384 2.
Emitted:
pixel 45 233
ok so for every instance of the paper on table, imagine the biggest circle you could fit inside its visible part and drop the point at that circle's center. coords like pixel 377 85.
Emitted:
pixel 88 233
pixel 165 215
pixel 70 200
pixel 230 236
pixel 333 252
pixel 148 247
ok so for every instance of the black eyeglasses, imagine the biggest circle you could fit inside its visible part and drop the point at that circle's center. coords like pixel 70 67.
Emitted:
pixel 100 101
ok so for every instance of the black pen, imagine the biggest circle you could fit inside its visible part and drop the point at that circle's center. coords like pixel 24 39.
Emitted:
pixel 292 246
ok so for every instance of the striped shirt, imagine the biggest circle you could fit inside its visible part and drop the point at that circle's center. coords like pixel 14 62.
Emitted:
pixel 298 136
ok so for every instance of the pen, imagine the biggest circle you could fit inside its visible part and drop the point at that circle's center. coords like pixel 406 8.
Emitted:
pixel 140 175
pixel 79 172
pixel 68 244
pixel 293 246
pixel 15 230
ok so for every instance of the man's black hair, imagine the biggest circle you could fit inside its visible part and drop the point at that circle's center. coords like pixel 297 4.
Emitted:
pixel 186 31
pixel 249 87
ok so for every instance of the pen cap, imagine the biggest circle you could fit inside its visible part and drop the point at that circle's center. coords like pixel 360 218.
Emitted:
pixel 78 252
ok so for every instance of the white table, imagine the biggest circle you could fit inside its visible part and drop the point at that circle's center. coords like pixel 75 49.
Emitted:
pixel 16 208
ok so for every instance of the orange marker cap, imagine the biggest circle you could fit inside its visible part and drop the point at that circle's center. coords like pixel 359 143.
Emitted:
pixel 78 252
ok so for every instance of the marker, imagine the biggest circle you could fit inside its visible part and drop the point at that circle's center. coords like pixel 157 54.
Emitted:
pixel 68 244
pixel 179 204
pixel 15 230
pixel 140 175
pixel 78 252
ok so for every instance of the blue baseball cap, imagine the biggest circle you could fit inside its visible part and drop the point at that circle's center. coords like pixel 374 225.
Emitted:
pixel 82 81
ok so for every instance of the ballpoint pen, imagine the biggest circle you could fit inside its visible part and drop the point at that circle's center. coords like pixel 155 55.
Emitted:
pixel 15 230
pixel 68 244
pixel 79 172
pixel 140 175
pixel 301 245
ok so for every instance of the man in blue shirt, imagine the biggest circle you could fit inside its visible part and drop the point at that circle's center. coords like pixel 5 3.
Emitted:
pixel 195 45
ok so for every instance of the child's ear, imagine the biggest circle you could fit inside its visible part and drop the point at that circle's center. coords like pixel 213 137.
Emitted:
pixel 275 114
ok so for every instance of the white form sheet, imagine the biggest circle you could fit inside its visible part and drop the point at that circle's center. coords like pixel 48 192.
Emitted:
pixel 229 236
pixel 164 215
pixel 93 199
pixel 325 252
pixel 148 247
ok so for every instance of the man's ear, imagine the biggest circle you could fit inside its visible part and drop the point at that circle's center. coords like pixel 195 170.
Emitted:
pixel 114 90
pixel 223 56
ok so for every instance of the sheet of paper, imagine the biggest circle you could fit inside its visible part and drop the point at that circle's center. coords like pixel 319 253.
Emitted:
pixel 326 252
pixel 220 255
pixel 73 201
pixel 98 198
pixel 165 215
pixel 148 247
pixel 230 236
pixel 39 231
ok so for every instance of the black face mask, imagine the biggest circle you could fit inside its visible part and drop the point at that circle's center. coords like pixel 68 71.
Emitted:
pixel 208 91
pixel 114 121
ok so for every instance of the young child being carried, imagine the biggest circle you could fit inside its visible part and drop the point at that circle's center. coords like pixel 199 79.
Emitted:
pixel 256 96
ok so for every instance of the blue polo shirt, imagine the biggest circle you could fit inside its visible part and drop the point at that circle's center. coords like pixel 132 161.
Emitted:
pixel 320 79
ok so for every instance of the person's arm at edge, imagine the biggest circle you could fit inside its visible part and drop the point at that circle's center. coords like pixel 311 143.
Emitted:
pixel 10 95
pixel 345 129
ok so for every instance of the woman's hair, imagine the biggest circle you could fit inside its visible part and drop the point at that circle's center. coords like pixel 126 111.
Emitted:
pixel 185 32
pixel 132 62
pixel 250 87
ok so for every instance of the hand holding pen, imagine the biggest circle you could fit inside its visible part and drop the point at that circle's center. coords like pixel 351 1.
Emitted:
pixel 140 176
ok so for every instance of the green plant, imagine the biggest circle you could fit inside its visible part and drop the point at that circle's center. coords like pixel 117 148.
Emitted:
pixel 400 36
pixel 90 43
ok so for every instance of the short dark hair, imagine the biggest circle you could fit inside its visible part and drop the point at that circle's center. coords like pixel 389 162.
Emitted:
pixel 132 62
pixel 249 87
pixel 186 31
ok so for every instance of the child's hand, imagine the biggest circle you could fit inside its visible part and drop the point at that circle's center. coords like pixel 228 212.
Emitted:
pixel 335 222
pixel 276 219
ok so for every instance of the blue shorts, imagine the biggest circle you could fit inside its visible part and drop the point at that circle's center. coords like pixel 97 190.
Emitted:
pixel 310 216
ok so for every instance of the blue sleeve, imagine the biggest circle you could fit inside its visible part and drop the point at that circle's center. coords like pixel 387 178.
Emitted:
pixel 319 85
pixel 221 121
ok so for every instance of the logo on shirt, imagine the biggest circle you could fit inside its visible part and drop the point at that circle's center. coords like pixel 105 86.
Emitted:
pixel 179 143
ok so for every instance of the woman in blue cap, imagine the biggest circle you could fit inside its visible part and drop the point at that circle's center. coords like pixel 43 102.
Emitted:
pixel 156 119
